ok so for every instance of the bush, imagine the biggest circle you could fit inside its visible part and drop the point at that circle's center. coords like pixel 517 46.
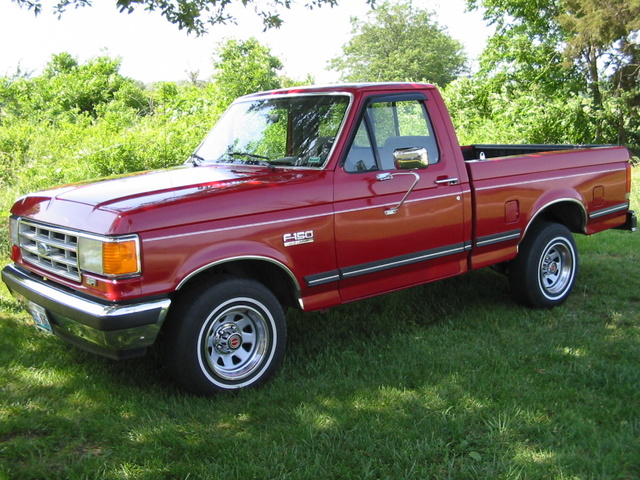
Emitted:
pixel 79 122
pixel 489 111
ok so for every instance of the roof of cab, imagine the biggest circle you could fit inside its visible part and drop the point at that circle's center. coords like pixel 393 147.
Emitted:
pixel 346 88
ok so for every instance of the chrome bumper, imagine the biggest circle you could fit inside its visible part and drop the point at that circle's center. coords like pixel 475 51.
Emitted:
pixel 111 330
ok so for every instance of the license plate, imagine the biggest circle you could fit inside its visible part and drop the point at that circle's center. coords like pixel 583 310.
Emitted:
pixel 40 318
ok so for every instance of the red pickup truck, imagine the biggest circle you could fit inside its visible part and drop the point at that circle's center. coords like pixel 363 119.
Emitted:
pixel 306 198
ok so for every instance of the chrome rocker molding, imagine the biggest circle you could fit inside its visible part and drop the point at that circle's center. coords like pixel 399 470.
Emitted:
pixel 386 264
pixel 607 211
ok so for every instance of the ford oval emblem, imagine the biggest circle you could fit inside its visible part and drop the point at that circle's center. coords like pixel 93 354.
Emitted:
pixel 44 249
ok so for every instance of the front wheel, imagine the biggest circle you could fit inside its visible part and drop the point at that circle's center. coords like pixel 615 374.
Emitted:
pixel 545 270
pixel 225 336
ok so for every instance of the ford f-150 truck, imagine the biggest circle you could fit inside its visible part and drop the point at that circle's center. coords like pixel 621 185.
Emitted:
pixel 308 197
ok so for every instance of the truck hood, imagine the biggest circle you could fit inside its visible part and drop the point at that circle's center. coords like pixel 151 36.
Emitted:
pixel 92 206
pixel 130 190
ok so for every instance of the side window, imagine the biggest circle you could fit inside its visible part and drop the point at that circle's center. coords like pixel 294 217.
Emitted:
pixel 392 125
pixel 361 157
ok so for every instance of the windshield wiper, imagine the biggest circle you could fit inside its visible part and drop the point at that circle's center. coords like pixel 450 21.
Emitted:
pixel 196 160
pixel 255 158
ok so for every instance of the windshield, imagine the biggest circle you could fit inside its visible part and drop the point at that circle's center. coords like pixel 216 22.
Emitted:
pixel 296 131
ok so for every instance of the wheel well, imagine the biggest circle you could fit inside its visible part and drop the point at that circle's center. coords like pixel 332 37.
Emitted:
pixel 272 276
pixel 571 214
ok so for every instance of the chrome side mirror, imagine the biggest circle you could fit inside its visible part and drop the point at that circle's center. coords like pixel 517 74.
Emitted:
pixel 411 158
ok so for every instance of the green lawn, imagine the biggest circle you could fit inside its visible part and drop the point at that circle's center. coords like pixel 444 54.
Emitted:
pixel 449 380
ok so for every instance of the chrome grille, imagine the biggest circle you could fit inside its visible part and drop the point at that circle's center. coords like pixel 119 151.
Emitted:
pixel 50 248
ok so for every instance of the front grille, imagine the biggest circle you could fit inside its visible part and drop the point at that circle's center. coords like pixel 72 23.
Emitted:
pixel 52 249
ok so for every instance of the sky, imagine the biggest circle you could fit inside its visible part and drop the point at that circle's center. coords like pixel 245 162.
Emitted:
pixel 152 49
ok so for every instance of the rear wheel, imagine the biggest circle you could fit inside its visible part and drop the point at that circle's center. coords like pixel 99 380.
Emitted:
pixel 545 270
pixel 225 336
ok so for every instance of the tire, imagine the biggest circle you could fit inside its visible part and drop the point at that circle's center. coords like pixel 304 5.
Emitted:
pixel 225 336
pixel 545 269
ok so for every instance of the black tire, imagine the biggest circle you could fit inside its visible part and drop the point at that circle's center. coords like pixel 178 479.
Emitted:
pixel 545 269
pixel 224 336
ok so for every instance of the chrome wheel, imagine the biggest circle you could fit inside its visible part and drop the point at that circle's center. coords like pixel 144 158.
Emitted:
pixel 235 342
pixel 556 268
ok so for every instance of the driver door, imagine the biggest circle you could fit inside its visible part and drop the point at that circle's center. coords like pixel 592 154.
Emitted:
pixel 379 249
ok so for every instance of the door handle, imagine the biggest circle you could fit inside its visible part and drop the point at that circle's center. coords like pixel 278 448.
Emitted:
pixel 445 180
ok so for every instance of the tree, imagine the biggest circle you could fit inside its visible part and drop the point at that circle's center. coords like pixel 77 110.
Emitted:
pixel 527 45
pixel 192 15
pixel 603 43
pixel 245 66
pixel 583 38
pixel 566 49
pixel 400 43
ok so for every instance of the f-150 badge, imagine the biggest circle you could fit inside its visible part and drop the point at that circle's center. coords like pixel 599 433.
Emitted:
pixel 297 238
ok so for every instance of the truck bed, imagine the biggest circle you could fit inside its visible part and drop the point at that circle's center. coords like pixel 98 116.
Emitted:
pixel 581 187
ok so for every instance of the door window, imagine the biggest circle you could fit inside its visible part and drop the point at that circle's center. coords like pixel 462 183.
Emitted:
pixel 388 126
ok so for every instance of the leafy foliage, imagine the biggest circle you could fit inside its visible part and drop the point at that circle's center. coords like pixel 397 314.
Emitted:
pixel 579 52
pixel 482 115
pixel 68 89
pixel 400 43
pixel 245 66
pixel 79 121
pixel 193 15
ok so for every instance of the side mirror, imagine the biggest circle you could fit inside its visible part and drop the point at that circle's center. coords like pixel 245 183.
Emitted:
pixel 411 158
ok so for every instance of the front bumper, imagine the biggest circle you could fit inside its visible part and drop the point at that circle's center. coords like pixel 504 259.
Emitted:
pixel 112 330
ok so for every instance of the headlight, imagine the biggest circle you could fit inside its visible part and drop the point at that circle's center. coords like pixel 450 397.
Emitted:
pixel 112 257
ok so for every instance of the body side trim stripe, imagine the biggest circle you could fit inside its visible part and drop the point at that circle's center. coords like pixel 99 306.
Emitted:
pixel 294 219
pixel 393 262
pixel 497 238
pixel 322 278
pixel 236 227
pixel 607 211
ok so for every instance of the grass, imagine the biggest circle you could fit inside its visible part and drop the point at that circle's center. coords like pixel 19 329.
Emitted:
pixel 449 380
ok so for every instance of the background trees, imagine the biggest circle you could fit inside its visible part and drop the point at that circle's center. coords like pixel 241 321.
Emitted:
pixel 68 88
pixel 243 67
pixel 399 42
pixel 572 66
pixel 85 120
pixel 193 15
